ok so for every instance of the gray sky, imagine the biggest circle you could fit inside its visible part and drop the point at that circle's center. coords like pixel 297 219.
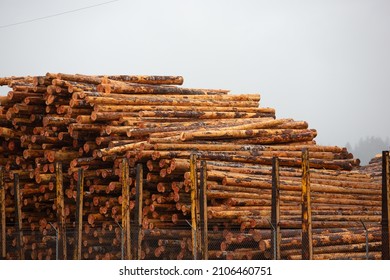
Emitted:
pixel 326 62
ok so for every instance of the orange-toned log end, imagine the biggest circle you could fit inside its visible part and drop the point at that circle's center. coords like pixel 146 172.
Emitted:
pixel 172 165
pixel 52 168
pixel 223 246
pixel 94 117
pixel 103 210
pixel 50 99
pixel 263 245
pixel 160 187
pixel 19 160
pixel 132 204
pixel 42 188
pixel 184 136
pixel 91 219
pixel 68 193
pixel 50 156
pixel 149 177
pixel 95 201
pixel 145 210
pixel 45 168
pixel 163 173
pixel 157 252
pixel 38 179
pixel 149 165
pixel 175 218
pixel 155 215
pixel 11 145
pixel 175 187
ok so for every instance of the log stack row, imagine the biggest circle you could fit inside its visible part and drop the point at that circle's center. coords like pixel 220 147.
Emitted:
pixel 94 122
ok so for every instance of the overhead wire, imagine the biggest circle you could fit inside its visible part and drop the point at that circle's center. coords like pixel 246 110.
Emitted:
pixel 57 14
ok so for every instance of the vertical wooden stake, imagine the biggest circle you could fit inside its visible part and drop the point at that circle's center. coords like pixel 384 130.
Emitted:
pixel 203 210
pixel 18 212
pixel 126 209
pixel 79 215
pixel 2 210
pixel 275 210
pixel 194 189
pixel 61 211
pixel 138 206
pixel 307 245
pixel 385 206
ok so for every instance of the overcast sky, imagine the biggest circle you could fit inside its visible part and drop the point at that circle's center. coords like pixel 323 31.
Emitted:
pixel 326 62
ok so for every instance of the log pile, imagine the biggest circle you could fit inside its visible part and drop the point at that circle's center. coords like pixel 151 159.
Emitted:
pixel 94 122
pixel 374 167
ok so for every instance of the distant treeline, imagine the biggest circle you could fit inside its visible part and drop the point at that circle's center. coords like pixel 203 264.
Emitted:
pixel 368 147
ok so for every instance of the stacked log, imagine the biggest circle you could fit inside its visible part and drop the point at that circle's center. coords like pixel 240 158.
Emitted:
pixel 94 122
pixel 374 167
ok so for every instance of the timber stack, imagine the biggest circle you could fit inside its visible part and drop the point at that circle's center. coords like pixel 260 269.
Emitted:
pixel 96 122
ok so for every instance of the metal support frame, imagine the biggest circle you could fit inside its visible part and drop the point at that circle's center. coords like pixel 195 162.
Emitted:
pixel 138 207
pixel 3 253
pixel 194 196
pixel 126 210
pixel 203 210
pixel 307 241
pixel 385 206
pixel 275 210
pixel 18 216
pixel 60 204
pixel 79 215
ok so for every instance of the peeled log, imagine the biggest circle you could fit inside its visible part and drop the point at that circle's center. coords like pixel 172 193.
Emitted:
pixel 150 80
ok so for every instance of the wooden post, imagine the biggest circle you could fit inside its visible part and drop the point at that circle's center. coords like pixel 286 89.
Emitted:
pixel 79 215
pixel 385 206
pixel 203 210
pixel 307 245
pixel 18 212
pixel 275 210
pixel 61 212
pixel 126 209
pixel 2 210
pixel 138 206
pixel 194 188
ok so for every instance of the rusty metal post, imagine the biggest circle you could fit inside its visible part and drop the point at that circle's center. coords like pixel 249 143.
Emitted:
pixel 385 206
pixel 60 204
pixel 194 190
pixel 203 210
pixel 126 209
pixel 79 215
pixel 275 210
pixel 2 213
pixel 138 207
pixel 18 216
pixel 307 242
